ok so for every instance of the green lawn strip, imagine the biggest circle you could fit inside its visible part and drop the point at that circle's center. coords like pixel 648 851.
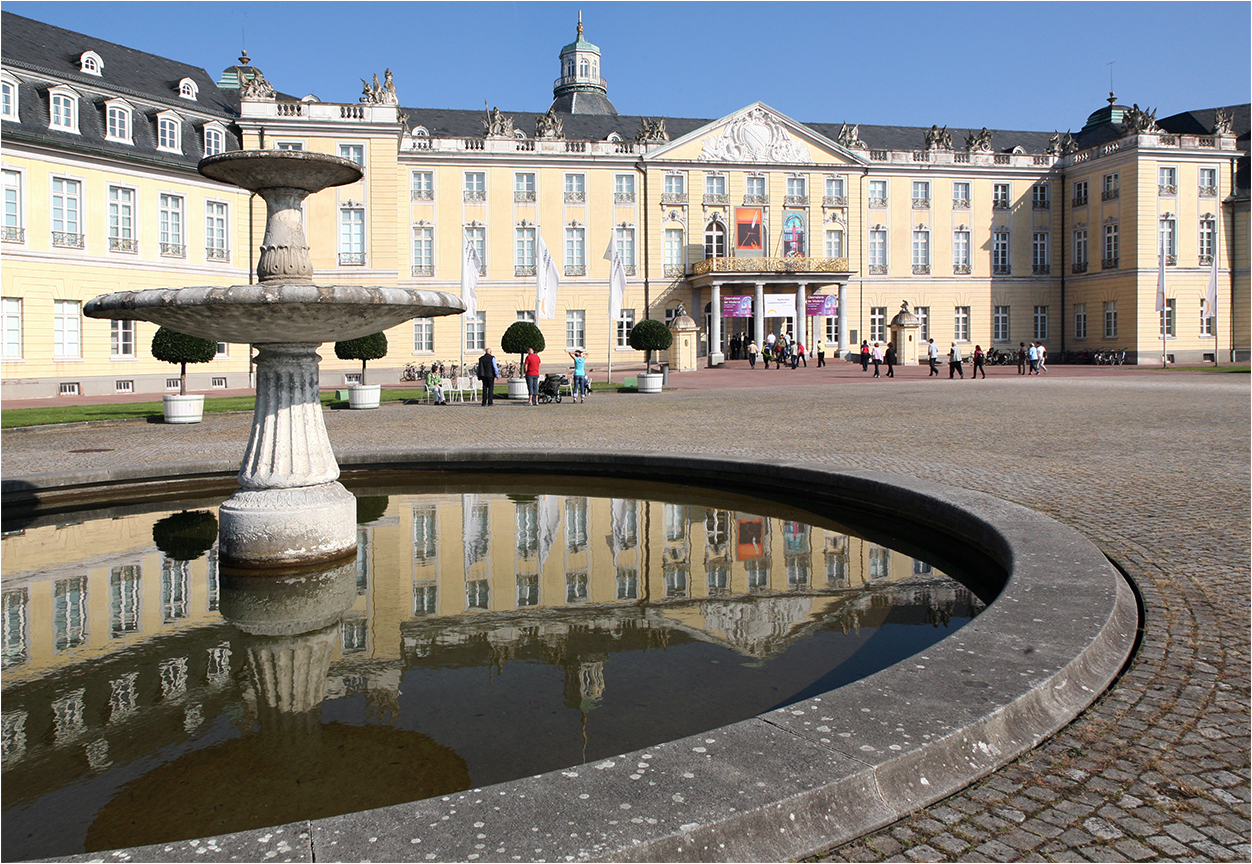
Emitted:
pixel 1208 367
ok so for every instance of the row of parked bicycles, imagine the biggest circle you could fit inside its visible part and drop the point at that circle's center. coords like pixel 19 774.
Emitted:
pixel 1101 357
pixel 418 372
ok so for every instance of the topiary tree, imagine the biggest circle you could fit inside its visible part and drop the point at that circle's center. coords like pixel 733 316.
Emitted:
pixel 185 536
pixel 520 337
pixel 371 508
pixel 650 335
pixel 372 347
pixel 170 346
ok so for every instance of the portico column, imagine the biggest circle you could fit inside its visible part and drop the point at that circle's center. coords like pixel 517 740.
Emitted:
pixel 843 318
pixel 758 314
pixel 715 322
pixel 802 320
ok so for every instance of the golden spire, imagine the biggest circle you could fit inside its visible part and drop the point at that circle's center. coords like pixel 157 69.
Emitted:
pixel 580 24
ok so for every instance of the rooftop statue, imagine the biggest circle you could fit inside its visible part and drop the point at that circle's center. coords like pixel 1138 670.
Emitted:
pixel 1054 144
pixel 379 94
pixel 850 138
pixel 549 125
pixel 651 130
pixel 256 87
pixel 1222 123
pixel 1136 121
pixel 938 139
pixel 979 142
pixel 497 125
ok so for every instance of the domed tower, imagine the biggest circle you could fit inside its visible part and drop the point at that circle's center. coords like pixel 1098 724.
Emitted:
pixel 580 89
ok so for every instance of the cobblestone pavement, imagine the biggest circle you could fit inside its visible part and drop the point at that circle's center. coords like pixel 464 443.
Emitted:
pixel 1153 468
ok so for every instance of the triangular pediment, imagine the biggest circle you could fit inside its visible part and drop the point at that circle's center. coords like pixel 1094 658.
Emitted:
pixel 756 135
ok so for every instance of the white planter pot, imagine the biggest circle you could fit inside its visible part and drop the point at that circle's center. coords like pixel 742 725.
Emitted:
pixel 184 409
pixel 364 395
pixel 517 388
pixel 650 383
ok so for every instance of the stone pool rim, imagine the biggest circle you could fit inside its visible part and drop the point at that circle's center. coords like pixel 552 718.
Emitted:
pixel 784 784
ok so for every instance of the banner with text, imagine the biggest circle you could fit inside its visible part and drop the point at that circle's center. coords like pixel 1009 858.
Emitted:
pixel 737 306
pixel 780 305
pixel 823 305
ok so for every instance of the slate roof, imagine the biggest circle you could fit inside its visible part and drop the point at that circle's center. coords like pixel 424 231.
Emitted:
pixel 42 56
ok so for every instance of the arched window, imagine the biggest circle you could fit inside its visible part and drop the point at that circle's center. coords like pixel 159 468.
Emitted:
pixel 569 68
pixel 584 68
pixel 715 240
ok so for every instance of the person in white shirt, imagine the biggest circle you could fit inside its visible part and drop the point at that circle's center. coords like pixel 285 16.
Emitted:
pixel 932 351
pixel 954 362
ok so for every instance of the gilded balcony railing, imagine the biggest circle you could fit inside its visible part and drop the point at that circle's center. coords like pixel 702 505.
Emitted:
pixel 770 265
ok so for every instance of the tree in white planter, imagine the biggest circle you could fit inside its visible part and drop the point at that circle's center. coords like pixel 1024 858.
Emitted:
pixel 650 335
pixel 364 348
pixel 520 337
pixel 170 346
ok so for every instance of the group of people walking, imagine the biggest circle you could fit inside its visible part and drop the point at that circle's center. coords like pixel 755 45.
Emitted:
pixel 782 351
pixel 877 354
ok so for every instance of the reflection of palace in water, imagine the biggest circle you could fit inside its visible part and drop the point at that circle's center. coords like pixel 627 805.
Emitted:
pixel 450 579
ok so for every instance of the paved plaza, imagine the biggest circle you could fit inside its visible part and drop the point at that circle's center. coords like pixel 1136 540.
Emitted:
pixel 1151 466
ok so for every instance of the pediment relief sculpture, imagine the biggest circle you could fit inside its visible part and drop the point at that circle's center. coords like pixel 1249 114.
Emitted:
pixel 755 136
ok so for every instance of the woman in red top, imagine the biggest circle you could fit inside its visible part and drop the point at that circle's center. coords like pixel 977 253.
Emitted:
pixel 532 375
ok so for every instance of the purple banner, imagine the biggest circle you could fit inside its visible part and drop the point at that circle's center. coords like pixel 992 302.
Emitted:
pixel 737 306
pixel 823 305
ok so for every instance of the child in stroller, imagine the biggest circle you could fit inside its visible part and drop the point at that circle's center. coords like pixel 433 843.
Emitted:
pixel 550 387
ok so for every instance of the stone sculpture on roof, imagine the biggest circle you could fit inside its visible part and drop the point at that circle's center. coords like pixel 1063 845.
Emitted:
pixel 850 138
pixel 979 142
pixel 497 125
pixel 256 87
pixel 1137 122
pixel 1068 144
pixel 938 139
pixel 651 130
pixel 549 125
pixel 1222 123
pixel 1054 144
pixel 754 136
pixel 379 94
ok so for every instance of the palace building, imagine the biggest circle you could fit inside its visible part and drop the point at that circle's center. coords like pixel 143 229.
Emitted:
pixel 753 223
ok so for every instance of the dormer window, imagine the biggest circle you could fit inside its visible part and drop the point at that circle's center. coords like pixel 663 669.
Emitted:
pixel 214 139
pixel 187 89
pixel 118 121
pixel 8 97
pixel 91 64
pixel 169 132
pixel 63 109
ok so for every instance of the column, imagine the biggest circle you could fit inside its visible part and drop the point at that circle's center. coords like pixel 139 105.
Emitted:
pixel 758 314
pixel 715 326
pixel 802 320
pixel 843 318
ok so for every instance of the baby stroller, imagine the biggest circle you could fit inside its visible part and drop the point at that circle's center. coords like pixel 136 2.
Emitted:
pixel 550 387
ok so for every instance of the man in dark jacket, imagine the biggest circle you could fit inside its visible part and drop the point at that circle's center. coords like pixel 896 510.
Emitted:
pixel 488 371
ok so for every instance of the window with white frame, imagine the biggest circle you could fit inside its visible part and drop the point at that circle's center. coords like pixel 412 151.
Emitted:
pixel 290 145
pixel 170 210
pixel 1041 323
pixel 878 193
pixel 14 211
pixel 214 140
pixel 575 188
pixel 215 247
pixel 223 351
pixel 8 98
pixel 832 330
pixel 11 331
pixel 797 191
pixel 423 186
pixel 188 89
pixel 476 332
pixel 524 250
pixel 834 243
pixel 923 316
pixel 715 189
pixel 121 338
pixel 960 196
pixel 921 252
pixel 122 219
pixel 1080 320
pixel 877 251
pixel 1041 197
pixel 67 330
pixel 960 251
pixel 1109 261
pixel 624 188
pixel 524 187
pixel 715 240
pixel 423 335
pixel 1081 189
pixel 1001 196
pixel 1168 319
pixel 754 190
pixel 351 236
pixel 66 207
pixel 836 191
pixel 475 190
pixel 1167 180
pixel 423 251
pixel 1040 259
pixel 1208 240
pixel 878 323
pixel 921 194
pixel 960 324
pixel 1000 324
pixel 575 329
pixel 1208 181
pixel 625 324
pixel 624 242
pixel 674 189
pixel 674 252
pixel 117 121
pixel 526 315
pixel 575 251
pixel 1110 319
pixel 1167 245
pixel 63 110
pixel 1080 251
pixel 169 132
pixel 90 63
pixel 353 153
pixel 477 234
pixel 1206 320
pixel 1000 246
pixel 1111 187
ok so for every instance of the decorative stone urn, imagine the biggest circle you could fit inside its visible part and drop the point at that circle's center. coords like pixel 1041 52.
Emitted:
pixel 289 507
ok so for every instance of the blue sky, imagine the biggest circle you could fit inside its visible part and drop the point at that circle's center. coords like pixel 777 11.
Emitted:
pixel 1037 66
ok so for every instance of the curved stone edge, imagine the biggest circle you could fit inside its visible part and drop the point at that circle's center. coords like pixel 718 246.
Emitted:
pixel 799 779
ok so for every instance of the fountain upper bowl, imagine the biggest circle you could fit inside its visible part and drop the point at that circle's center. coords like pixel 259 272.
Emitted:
pixel 255 170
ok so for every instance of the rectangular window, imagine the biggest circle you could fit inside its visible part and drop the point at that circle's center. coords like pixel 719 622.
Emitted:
pixel 960 324
pixel 960 196
pixel 121 219
pixel 524 248
pixel 475 191
pixel 923 315
pixel 423 251
pixel 1111 187
pixel 575 252
pixel 423 334
pixel 1041 323
pixel 62 112
pixel 575 329
pixel 478 236
pixel 715 188
pixel 754 190
pixel 921 252
pixel 1206 321
pixel 1208 240
pixel 351 236
pixel 960 252
pixel 675 185
pixel 834 244
pixel 624 188
pixel 526 315
pixel 476 332
pixel 8 100
pixel 121 338
pixel 119 124
pixel 1000 324
pixel 1080 251
pixel 66 227
pixel 1110 248
pixel 1110 319
pixel 624 240
pixel 12 329
pixel 877 252
pixel 575 188
pixel 67 330
pixel 1167 181
pixel 524 187
pixel 921 194
pixel 353 153
pixel 1080 320
pixel 797 192
pixel 169 134
pixel 1000 246
pixel 1040 197
pixel 1168 241
pixel 878 324
pixel 1208 181
pixel 215 231
pixel 171 225
pixel 1080 193
pixel 214 142
pixel 878 193
pixel 674 251
pixel 297 146
pixel 1040 259
pixel 1168 319
pixel 836 191
pixel 1001 196
pixel 423 186
pixel 13 211
pixel 624 325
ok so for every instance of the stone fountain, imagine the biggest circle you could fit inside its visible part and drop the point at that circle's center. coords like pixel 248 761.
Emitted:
pixel 290 507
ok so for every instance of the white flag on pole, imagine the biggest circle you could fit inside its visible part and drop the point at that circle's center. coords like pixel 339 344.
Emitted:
pixel 617 281
pixel 546 280
pixel 1160 282
pixel 470 265
pixel 1210 296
